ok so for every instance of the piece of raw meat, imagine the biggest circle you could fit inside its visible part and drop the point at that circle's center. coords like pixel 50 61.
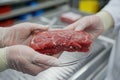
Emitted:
pixel 53 42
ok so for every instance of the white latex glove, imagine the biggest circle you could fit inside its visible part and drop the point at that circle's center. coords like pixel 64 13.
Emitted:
pixel 93 24
pixel 19 34
pixel 25 59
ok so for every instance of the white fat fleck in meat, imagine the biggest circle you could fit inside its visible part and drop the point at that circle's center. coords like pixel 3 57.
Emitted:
pixel 44 32
pixel 54 43
pixel 60 44
pixel 71 47
pixel 37 46
pixel 61 35
pixel 53 40
pixel 64 43
pixel 85 39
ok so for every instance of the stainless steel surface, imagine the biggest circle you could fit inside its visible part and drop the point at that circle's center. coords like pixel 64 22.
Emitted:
pixel 101 75
pixel 89 68
pixel 96 72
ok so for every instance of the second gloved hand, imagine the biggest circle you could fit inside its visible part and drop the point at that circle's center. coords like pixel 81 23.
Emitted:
pixel 93 24
pixel 26 60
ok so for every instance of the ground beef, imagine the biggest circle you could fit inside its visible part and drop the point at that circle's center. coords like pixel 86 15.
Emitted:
pixel 53 42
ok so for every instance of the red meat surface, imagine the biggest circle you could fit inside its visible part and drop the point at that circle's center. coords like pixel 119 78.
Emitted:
pixel 53 42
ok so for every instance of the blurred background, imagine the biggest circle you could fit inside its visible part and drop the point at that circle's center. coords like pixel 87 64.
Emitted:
pixel 59 14
pixel 12 11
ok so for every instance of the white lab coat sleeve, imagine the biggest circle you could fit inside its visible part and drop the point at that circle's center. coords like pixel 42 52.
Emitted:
pixel 113 7
pixel 3 60
pixel 113 72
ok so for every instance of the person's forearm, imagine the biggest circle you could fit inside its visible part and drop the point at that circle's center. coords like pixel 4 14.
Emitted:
pixel 106 19
pixel 3 60
pixel 113 8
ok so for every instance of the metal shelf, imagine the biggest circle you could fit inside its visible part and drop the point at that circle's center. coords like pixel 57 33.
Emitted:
pixel 13 2
pixel 24 10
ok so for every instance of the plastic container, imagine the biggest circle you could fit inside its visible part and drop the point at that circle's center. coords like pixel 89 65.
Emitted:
pixel 89 6
pixel 72 58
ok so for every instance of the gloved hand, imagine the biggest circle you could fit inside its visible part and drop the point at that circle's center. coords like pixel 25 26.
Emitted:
pixel 26 60
pixel 19 34
pixel 93 24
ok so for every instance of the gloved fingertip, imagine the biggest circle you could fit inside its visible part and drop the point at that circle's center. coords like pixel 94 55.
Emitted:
pixel 69 28
pixel 43 27
pixel 78 28
pixel 66 28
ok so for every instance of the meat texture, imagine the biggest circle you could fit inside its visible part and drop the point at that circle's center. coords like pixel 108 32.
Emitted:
pixel 53 42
